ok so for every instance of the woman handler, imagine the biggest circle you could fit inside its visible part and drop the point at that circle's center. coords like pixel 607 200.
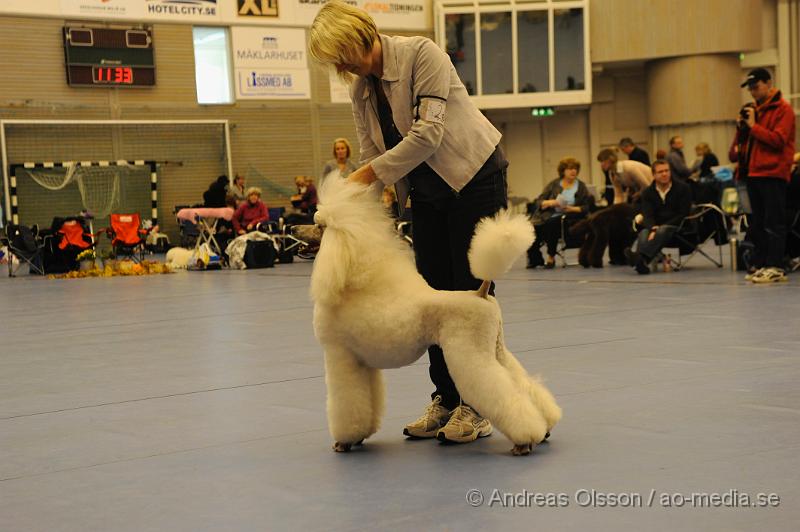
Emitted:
pixel 418 129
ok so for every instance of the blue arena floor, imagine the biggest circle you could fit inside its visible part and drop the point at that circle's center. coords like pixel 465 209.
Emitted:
pixel 195 401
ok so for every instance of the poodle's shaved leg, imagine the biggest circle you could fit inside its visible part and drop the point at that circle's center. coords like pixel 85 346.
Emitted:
pixel 378 400
pixel 487 386
pixel 483 291
pixel 352 414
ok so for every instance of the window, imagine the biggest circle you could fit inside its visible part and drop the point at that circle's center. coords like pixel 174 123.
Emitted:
pixel 518 53
pixel 212 66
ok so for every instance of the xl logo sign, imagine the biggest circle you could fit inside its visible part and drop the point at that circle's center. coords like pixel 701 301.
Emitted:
pixel 258 8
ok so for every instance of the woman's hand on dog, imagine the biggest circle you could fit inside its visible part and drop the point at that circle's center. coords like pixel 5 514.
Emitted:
pixel 364 175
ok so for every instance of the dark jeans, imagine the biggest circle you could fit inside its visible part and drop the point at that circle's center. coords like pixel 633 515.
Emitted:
pixel 442 229
pixel 648 249
pixel 549 233
pixel 767 222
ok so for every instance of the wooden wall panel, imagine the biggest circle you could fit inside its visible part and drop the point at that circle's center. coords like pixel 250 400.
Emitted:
pixel 686 90
pixel 629 30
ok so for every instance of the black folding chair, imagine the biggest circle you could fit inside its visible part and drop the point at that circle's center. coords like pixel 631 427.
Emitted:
pixel 705 222
pixel 24 244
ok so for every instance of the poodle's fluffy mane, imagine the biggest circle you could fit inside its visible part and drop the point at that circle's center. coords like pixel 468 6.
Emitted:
pixel 356 227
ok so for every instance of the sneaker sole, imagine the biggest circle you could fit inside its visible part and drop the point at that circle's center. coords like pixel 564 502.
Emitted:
pixel 467 439
pixel 761 280
pixel 420 436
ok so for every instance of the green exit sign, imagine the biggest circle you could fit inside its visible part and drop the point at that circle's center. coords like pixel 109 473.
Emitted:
pixel 542 111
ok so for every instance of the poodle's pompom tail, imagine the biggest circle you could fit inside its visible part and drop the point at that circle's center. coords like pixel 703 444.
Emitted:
pixel 497 243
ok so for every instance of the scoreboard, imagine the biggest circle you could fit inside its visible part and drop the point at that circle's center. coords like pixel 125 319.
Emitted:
pixel 109 57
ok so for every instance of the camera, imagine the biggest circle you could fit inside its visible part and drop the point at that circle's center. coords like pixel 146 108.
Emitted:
pixel 742 124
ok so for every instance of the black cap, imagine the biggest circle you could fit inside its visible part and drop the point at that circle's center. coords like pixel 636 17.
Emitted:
pixel 756 75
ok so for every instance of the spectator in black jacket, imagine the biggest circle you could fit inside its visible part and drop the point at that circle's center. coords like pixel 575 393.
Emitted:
pixel 665 204
pixel 705 160
pixel 634 152
pixel 215 195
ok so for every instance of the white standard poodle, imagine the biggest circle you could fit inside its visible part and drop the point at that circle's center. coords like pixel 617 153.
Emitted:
pixel 372 310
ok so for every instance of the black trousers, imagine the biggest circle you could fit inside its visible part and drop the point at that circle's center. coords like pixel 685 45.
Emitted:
pixel 549 233
pixel 768 223
pixel 442 229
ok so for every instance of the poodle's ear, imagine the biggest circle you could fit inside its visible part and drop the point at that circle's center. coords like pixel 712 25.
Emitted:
pixel 331 267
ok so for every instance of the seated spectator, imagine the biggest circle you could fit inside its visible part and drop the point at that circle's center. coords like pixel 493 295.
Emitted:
pixel 214 197
pixel 665 204
pixel 389 199
pixel 564 197
pixel 629 178
pixel 250 213
pixel 705 160
pixel 237 190
pixel 306 198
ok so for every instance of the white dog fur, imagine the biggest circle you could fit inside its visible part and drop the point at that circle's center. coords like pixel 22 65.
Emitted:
pixel 178 258
pixel 373 310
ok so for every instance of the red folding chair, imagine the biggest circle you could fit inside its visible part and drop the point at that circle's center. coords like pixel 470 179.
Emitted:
pixel 127 236
pixel 73 233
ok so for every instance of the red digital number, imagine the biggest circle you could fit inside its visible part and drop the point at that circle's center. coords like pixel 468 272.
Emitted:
pixel 114 75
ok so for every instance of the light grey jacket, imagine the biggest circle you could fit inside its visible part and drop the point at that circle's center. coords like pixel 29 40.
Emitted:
pixel 432 111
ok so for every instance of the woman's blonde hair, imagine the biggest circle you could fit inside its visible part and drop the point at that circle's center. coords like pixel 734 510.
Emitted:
pixel 703 148
pixel 568 162
pixel 341 34
pixel 346 143
pixel 253 190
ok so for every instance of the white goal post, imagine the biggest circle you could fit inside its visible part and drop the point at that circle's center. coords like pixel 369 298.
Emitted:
pixel 10 208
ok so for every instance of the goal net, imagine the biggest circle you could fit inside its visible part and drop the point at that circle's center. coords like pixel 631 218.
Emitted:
pixel 64 167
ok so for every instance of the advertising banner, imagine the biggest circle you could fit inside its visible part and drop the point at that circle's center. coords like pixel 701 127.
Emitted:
pixel 270 62
pixel 393 14
pixel 102 8
pixel 182 10
pixel 340 91
pixel 272 84
pixel 151 10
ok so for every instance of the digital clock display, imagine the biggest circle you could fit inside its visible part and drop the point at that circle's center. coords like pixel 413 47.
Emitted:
pixel 106 58
pixel 116 75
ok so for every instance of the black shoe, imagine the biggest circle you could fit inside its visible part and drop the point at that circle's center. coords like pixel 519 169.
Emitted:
pixel 534 260
pixel 631 256
pixel 642 267
pixel 550 265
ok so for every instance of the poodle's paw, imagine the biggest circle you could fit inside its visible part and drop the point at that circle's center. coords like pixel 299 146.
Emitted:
pixel 342 447
pixel 522 450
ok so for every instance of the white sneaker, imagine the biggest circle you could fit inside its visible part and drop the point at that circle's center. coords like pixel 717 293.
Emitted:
pixel 428 424
pixel 753 275
pixel 464 426
pixel 770 275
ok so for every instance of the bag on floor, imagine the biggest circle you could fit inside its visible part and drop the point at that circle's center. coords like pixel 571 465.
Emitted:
pixel 259 254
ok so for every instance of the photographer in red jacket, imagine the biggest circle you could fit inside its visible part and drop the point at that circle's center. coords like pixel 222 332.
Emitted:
pixel 764 147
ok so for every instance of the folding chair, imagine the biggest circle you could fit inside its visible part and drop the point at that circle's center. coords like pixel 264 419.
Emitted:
pixel 69 237
pixel 693 234
pixel 24 244
pixel 566 240
pixel 127 236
